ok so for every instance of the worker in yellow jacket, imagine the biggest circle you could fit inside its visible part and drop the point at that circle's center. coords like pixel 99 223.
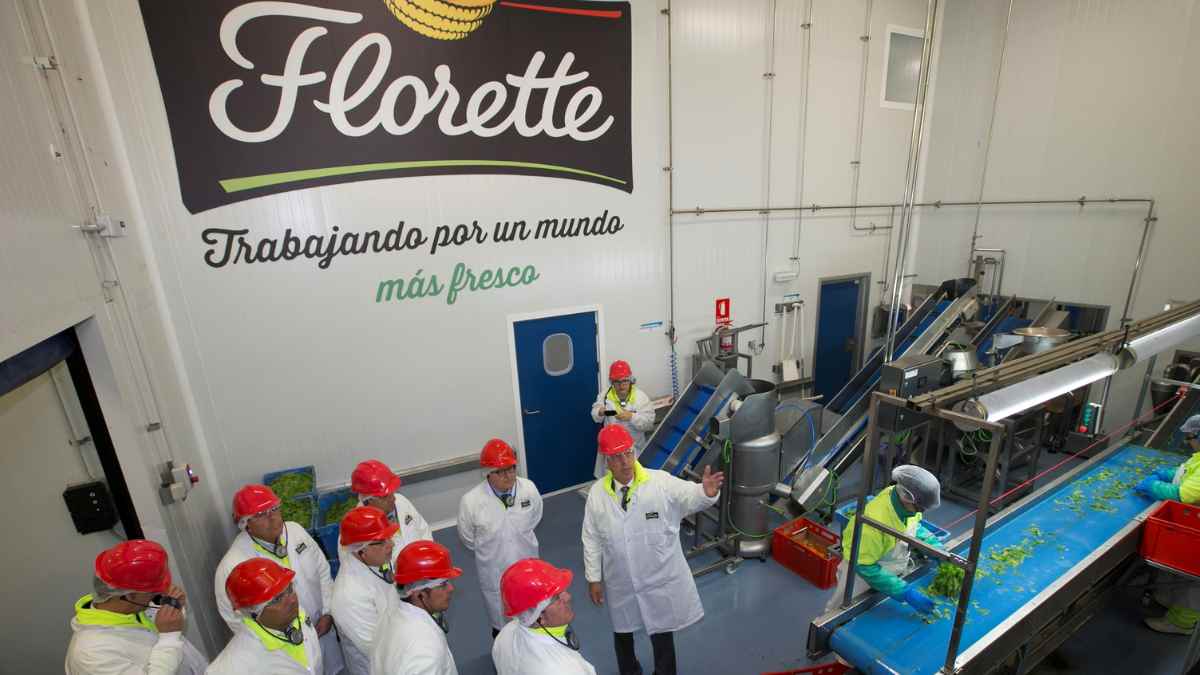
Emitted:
pixel 883 559
pixel 1181 484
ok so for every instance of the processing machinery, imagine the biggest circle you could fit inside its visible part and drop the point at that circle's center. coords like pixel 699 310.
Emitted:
pixel 1035 571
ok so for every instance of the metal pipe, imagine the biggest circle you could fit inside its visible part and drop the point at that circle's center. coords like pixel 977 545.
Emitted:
pixel 769 107
pixel 910 178
pixel 1178 383
pixel 868 479
pixel 981 515
pixel 1103 406
pixel 669 169
pixel 803 140
pixel 987 145
pixel 1137 264
pixel 932 551
pixel 1141 399
pixel 856 163
pixel 701 210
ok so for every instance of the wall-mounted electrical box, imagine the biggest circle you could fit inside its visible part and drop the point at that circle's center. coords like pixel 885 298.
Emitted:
pixel 91 507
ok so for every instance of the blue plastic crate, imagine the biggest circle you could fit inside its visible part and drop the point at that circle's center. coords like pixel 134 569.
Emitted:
pixel 327 537
pixel 841 517
pixel 326 499
pixel 271 477
pixel 312 509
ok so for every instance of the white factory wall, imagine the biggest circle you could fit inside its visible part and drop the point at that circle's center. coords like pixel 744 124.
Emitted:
pixel 1096 98
pixel 734 129
pixel 294 365
pixel 253 368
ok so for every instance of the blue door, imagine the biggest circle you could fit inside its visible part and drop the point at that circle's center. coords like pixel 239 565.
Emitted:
pixel 837 336
pixel 557 369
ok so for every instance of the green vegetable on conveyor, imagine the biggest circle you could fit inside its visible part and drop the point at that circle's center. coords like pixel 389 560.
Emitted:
pixel 291 484
pixel 297 511
pixel 339 510
pixel 948 581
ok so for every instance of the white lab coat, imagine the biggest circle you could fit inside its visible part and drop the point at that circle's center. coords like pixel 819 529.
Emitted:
pixel 409 642
pixel 518 650
pixel 121 650
pixel 638 427
pixel 637 553
pixel 499 536
pixel 313 583
pixel 246 654
pixel 412 526
pixel 360 601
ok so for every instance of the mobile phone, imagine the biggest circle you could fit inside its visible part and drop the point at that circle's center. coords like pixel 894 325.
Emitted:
pixel 167 601
pixel 610 413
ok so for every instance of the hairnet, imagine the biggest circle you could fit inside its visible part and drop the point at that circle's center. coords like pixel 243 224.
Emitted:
pixel 102 592
pixel 1192 425
pixel 531 615
pixel 918 486
pixel 408 589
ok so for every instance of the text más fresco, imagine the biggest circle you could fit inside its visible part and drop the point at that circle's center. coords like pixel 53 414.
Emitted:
pixel 463 279
pixel 234 246
pixel 483 106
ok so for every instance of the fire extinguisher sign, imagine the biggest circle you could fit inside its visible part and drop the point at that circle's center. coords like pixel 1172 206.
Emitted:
pixel 722 312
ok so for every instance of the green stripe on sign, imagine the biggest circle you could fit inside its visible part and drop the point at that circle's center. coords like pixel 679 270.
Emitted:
pixel 264 180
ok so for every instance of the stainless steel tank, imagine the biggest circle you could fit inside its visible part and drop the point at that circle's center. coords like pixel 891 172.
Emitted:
pixel 756 447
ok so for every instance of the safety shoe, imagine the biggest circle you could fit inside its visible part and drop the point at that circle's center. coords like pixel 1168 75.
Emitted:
pixel 1161 625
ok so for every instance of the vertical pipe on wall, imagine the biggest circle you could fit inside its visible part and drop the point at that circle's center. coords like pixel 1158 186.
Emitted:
pixel 910 180
pixel 669 169
pixel 803 136
pixel 856 163
pixel 987 144
pixel 769 104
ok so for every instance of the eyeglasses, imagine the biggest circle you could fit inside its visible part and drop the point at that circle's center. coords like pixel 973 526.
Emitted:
pixel 505 471
pixel 622 456
pixel 267 513
pixel 283 595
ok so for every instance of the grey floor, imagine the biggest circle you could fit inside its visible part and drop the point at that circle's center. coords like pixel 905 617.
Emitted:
pixel 756 619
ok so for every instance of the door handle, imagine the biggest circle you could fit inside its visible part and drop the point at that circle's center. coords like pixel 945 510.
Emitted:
pixel 531 412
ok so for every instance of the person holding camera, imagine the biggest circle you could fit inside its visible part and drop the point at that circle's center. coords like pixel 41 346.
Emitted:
pixel 133 620
pixel 625 405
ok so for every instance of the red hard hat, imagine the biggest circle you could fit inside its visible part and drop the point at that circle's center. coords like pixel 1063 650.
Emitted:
pixel 497 454
pixel 135 565
pixel 252 500
pixel 366 523
pixel 530 581
pixel 256 581
pixel 373 478
pixel 619 370
pixel 423 560
pixel 614 439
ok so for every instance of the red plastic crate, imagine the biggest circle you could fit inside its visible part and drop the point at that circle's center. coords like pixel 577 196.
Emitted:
pixel 823 669
pixel 1171 537
pixel 804 547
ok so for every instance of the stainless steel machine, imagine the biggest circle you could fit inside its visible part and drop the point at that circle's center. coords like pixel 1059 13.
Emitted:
pixel 1079 532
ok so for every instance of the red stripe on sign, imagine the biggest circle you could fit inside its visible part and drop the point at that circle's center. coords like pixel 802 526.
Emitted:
pixel 597 13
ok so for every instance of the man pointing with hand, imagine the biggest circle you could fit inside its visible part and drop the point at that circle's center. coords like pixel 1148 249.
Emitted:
pixel 632 555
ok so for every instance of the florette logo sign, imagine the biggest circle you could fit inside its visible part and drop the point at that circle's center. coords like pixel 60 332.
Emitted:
pixel 268 97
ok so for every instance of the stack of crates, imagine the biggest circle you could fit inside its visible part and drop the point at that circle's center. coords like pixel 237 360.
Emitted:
pixel 332 504
pixel 297 489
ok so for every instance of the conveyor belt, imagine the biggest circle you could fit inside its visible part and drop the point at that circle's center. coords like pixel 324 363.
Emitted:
pixel 1059 529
